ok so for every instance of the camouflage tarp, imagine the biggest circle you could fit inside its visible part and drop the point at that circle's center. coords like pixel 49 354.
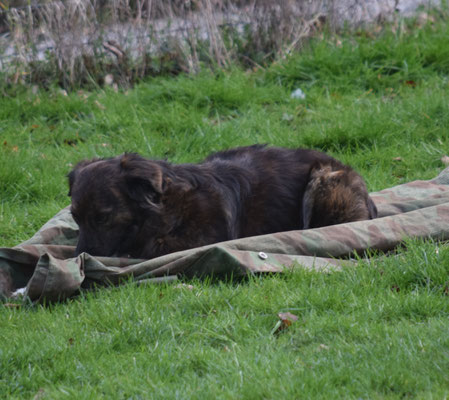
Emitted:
pixel 46 266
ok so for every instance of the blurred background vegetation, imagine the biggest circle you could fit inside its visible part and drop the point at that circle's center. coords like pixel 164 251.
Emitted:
pixel 79 43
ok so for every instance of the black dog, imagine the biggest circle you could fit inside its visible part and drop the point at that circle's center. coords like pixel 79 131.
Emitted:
pixel 131 206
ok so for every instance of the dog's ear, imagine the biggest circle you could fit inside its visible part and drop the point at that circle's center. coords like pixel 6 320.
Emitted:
pixel 73 174
pixel 372 209
pixel 308 200
pixel 322 177
pixel 143 179
pixel 307 208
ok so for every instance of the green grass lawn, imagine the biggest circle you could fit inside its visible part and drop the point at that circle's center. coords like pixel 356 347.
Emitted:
pixel 379 330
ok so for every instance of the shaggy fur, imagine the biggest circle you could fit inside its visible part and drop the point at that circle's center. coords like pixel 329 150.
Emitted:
pixel 132 206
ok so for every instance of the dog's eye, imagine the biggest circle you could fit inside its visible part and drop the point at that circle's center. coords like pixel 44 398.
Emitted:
pixel 101 219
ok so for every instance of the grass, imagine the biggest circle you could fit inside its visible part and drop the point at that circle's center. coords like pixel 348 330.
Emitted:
pixel 368 332
pixel 373 331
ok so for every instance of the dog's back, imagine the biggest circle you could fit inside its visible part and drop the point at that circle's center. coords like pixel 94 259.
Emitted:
pixel 272 182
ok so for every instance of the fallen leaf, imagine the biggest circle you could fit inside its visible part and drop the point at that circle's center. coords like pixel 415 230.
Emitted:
pixel 397 159
pixel 410 83
pixel 445 160
pixel 286 320
pixel 322 346
pixel 34 126
pixel 15 149
pixel 288 317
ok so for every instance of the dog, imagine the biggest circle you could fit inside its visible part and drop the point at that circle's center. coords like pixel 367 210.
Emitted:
pixel 130 206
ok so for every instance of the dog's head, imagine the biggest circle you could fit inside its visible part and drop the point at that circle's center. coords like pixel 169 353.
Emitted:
pixel 112 200
pixel 335 194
